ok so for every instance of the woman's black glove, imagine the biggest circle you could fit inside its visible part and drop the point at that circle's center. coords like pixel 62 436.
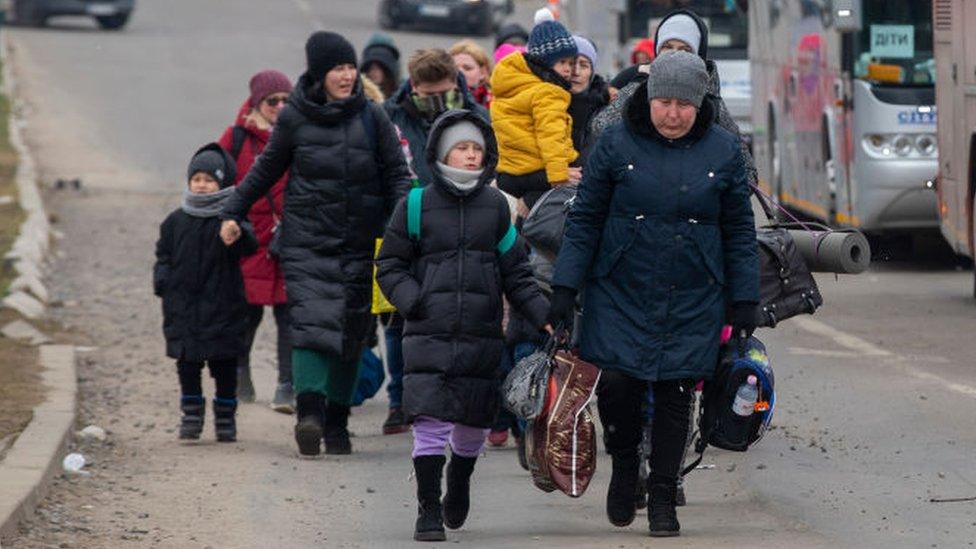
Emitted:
pixel 562 307
pixel 743 318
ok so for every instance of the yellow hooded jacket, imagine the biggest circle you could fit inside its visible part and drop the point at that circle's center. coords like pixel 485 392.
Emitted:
pixel 531 121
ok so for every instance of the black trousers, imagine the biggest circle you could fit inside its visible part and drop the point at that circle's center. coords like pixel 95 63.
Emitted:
pixel 619 400
pixel 224 373
pixel 283 326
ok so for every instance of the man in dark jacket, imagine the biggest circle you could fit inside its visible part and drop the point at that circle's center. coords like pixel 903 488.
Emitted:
pixel 447 275
pixel 662 242
pixel 199 279
pixel 434 88
pixel 346 174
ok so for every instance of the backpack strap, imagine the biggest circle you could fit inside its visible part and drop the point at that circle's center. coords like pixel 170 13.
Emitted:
pixel 702 442
pixel 415 204
pixel 369 124
pixel 507 241
pixel 368 118
pixel 237 137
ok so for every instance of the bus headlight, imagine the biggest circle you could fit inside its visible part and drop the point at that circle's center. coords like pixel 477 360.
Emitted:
pixel 903 145
pixel 926 144
pixel 878 144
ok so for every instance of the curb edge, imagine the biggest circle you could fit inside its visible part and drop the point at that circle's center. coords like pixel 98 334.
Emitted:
pixel 33 461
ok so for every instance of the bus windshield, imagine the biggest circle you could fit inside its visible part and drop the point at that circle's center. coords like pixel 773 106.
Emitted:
pixel 895 45
pixel 727 22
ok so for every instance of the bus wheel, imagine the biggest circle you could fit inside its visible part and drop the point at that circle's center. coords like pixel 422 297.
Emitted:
pixel 972 225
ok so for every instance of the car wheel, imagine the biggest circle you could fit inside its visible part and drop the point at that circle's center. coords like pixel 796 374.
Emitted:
pixel 113 22
pixel 28 14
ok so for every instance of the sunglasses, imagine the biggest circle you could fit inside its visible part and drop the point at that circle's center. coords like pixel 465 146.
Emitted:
pixel 275 101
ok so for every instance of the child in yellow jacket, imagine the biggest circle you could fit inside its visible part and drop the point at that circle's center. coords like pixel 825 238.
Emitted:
pixel 530 114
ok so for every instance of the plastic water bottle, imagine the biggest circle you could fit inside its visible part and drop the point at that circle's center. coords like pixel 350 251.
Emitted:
pixel 744 404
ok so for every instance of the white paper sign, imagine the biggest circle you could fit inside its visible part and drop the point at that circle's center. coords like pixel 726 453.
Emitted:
pixel 893 41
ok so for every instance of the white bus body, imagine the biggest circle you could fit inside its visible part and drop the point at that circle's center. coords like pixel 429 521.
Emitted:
pixel 843 110
pixel 955 58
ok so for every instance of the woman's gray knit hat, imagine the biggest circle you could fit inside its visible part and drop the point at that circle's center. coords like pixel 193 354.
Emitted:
pixel 678 75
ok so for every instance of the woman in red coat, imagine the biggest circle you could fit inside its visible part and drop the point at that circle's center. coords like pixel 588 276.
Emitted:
pixel 264 283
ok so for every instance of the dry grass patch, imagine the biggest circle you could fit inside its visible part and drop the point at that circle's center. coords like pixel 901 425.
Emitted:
pixel 20 389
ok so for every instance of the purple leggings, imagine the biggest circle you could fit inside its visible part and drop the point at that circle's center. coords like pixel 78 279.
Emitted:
pixel 430 437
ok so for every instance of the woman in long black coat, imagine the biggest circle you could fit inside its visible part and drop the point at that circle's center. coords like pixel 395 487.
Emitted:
pixel 347 172
pixel 662 242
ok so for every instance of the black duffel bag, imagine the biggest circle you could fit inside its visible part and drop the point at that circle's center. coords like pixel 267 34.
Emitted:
pixel 786 287
pixel 543 227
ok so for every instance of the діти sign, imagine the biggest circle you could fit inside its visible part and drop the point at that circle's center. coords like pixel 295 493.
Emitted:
pixel 893 41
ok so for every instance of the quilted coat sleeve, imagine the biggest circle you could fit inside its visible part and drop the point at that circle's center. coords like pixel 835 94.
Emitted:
pixel 247 244
pixel 552 127
pixel 395 173
pixel 395 264
pixel 164 254
pixel 741 252
pixel 586 218
pixel 518 282
pixel 269 167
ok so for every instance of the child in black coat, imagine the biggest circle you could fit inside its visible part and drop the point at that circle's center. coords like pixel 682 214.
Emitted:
pixel 198 276
pixel 448 255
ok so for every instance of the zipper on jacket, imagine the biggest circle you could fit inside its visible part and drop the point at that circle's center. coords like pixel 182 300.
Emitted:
pixel 460 283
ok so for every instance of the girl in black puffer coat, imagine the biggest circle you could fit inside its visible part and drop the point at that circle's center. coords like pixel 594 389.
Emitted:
pixel 199 279
pixel 446 272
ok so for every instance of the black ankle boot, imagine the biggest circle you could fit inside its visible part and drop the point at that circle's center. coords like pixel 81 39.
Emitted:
pixel 662 514
pixel 430 522
pixel 308 430
pixel 225 424
pixel 191 425
pixel 621 507
pixel 336 432
pixel 457 500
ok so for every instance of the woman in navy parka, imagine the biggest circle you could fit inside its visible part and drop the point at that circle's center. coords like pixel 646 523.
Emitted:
pixel 661 242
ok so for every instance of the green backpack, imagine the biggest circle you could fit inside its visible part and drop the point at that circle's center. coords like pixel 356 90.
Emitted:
pixel 415 202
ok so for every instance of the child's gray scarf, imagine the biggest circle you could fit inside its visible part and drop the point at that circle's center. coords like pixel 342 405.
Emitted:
pixel 463 180
pixel 205 205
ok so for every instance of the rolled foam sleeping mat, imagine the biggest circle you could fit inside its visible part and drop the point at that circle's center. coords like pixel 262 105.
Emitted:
pixel 842 252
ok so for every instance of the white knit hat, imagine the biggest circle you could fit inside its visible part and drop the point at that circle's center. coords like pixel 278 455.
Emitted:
pixel 679 27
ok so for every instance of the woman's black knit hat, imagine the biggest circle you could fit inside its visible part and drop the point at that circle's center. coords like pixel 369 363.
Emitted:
pixel 326 50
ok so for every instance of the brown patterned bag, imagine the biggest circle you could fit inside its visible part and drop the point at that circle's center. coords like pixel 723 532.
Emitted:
pixel 562 439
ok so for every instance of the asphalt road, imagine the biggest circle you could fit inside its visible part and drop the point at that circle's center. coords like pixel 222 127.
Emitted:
pixel 877 391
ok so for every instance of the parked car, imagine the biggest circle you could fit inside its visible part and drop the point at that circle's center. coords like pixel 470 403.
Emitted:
pixel 473 16
pixel 109 14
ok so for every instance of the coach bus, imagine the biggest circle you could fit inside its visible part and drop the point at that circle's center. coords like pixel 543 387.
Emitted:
pixel 955 96
pixel 728 36
pixel 844 110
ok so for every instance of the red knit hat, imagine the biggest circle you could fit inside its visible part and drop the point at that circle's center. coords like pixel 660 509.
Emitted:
pixel 267 83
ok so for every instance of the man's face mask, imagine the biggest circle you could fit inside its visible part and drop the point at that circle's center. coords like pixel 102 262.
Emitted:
pixel 434 105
